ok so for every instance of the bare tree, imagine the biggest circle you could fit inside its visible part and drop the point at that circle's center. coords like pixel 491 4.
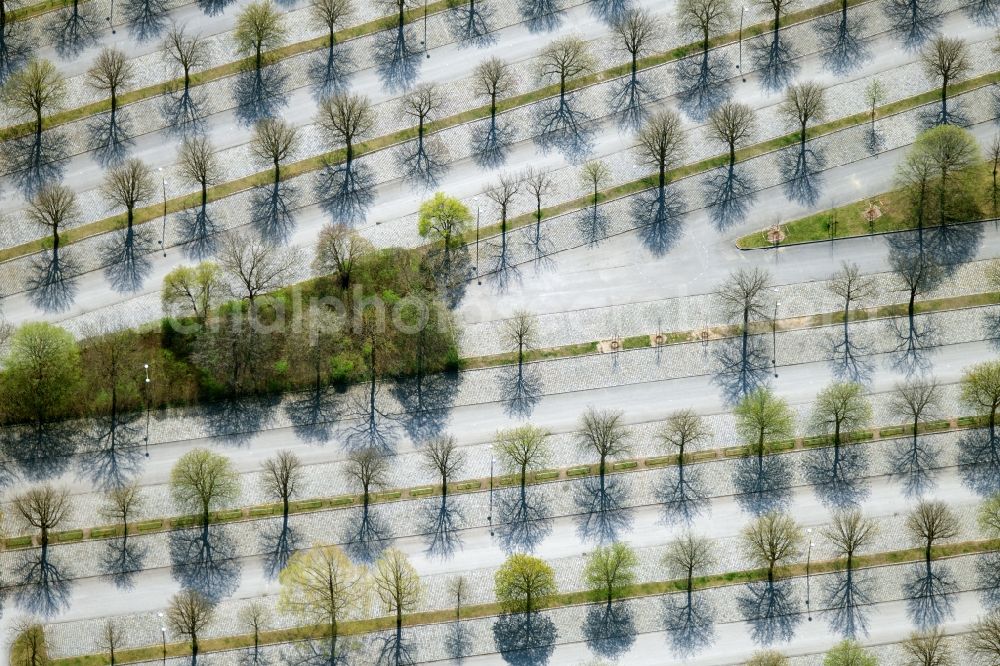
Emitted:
pixel 189 52
pixel 442 456
pixel 282 475
pixel 851 286
pixel 947 59
pixel 520 332
pixel 426 159
pixel 493 80
pixel 875 96
pixel 771 540
pixel 397 584
pixel 661 143
pixel 257 618
pixel 328 71
pixel 849 533
pixel 804 102
pixel 111 638
pixel 560 125
pixel 929 522
pixel 458 589
pixel 983 640
pixel 774 58
pixel 369 469
pixel 539 183
pixel 259 28
pixel 273 142
pixel 129 185
pixel 338 250
pixel 54 207
pixel 122 503
pixel 687 557
pixel 522 448
pixel 37 89
pixel 734 124
pixel 993 159
pixel 189 614
pixel 111 71
pixel 256 266
pixel 43 508
pixel 565 59
pixel 602 432
pixel 704 84
pixel 346 118
pixel 591 220
pixel 502 194
pixel 917 400
pixel 198 162
pixel 928 648
pixel 635 37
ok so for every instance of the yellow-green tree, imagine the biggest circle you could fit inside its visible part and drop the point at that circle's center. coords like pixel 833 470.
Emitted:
pixel 523 582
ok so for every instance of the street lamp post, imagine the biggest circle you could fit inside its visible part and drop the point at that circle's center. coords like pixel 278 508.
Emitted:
pixel 808 562
pixel 163 636
pixel 145 366
pixel 426 51
pixel 110 18
pixel 479 278
pixel 774 338
pixel 163 231
pixel 740 65
pixel 489 516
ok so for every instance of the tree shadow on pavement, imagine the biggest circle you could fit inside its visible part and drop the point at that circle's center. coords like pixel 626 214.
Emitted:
pixel 913 21
pixel 145 18
pixel 802 172
pixel 842 42
pixel 366 535
pixel 469 23
pixel 183 111
pixel 41 584
pixel 490 142
pixel 394 648
pixel 604 512
pixel 592 224
pixel 458 642
pixel 849 358
pixel 609 629
pixel 109 135
pixel 313 413
pixel 74 29
pixel 928 589
pixel 561 127
pixel 979 461
pixel 260 94
pixel 236 421
pixel 848 599
pixel 520 388
pixel 988 577
pixel 397 61
pixel 629 99
pixel 110 455
pixel 689 622
pixel 272 211
pixel 523 518
pixel 763 483
pixel 540 15
pixel 34 160
pixel 742 365
pixel 658 215
pixel 839 474
pixel 774 58
pixel 703 83
pixel 125 256
pixel 914 461
pixel 345 190
pixel 52 280
pixel 278 541
pixel 331 651
pixel 38 451
pixel 204 559
pixel 729 193
pixel 441 524
pixel 682 494
pixel 771 609
pixel 426 400
pixel 525 639
pixel 213 7
pixel 376 427
pixel 330 72
pixel 197 229
pixel 122 560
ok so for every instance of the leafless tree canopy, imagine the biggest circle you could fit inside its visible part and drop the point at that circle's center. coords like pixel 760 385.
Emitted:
pixel 928 648
pixel 338 250
pixel 851 285
pixel 189 613
pixel 682 430
pixel 946 58
pixel 282 475
pixel 122 503
pixel 274 141
pixel 189 51
pixel 442 456
pixel 43 507
pixel 504 191
pixel 493 80
pixel 917 399
pixel 744 295
pixel 54 207
pixel 112 637
pixel 257 266
pixel 772 539
pixel 397 584
pixel 931 521
pixel 603 432
pixel 346 118
pixel 850 532
pixel 804 102
pixel 564 59
pixel 705 17
pixel 636 32
pixel 331 13
pixel 129 184
pixel 688 556
pixel 198 161
pixel 733 123
pixel 423 102
pixel 112 70
pixel 369 469
pixel 661 141
pixel 520 332
pixel 984 639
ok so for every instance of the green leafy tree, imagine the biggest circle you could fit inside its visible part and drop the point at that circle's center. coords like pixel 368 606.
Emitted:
pixel 443 219
pixel 839 409
pixel 768 658
pixel 761 419
pixel 259 28
pixel 523 582
pixel 611 570
pixel 522 449
pixel 41 377
pixel 38 89
pixel 321 585
pixel 202 481
pixel 849 653
pixel 192 290
pixel 981 392
pixel 397 584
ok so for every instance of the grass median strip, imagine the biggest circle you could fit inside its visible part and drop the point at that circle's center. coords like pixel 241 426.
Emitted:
pixel 566 599
pixel 312 164
pixel 316 505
